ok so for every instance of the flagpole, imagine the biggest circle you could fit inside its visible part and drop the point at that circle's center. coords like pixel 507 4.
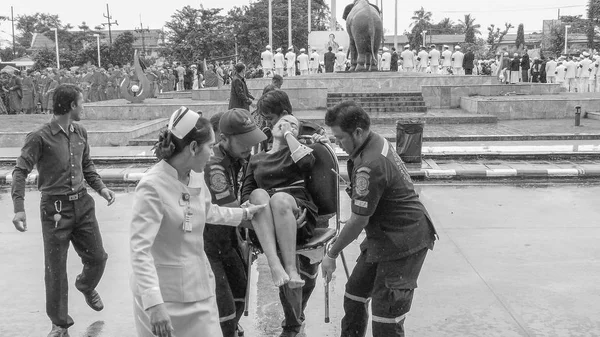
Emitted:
pixel 271 23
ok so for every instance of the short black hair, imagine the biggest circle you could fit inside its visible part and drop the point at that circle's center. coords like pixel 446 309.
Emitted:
pixel 276 102
pixel 329 48
pixel 239 67
pixel 348 116
pixel 277 79
pixel 215 120
pixel 63 96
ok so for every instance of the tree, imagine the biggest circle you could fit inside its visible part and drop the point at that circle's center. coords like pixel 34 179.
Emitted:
pixel 421 21
pixel 496 36
pixel 593 12
pixel 36 23
pixel 122 49
pixel 470 29
pixel 556 40
pixel 44 58
pixel 445 27
pixel 520 41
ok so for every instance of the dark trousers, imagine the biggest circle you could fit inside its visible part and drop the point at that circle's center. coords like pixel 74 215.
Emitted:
pixel 231 282
pixel 390 285
pixel 78 225
pixel 525 75
pixel 294 300
pixel 468 71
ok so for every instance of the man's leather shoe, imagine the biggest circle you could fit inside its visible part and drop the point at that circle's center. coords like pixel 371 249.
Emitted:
pixel 240 331
pixel 93 299
pixel 58 331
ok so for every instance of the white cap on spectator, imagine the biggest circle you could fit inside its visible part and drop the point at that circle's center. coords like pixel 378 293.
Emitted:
pixel 182 121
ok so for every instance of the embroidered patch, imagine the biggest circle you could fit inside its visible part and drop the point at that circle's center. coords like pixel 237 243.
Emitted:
pixel 361 182
pixel 218 181
pixel 361 203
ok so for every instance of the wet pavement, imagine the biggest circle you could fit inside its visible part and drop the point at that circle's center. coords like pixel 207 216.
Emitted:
pixel 513 260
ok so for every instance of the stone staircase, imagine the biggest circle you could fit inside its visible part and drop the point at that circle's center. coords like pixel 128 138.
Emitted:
pixel 375 102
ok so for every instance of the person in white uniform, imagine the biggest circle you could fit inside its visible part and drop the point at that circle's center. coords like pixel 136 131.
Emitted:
pixel 423 60
pixel 584 73
pixel 172 281
pixel 560 72
pixel 457 61
pixel 446 60
pixel 266 61
pixel 279 62
pixel 571 75
pixel 434 59
pixel 290 62
pixel 408 59
pixel 340 60
pixel 314 61
pixel 550 69
pixel 386 59
pixel 303 62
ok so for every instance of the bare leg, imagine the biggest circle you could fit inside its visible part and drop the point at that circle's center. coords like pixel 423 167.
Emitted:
pixel 283 206
pixel 265 230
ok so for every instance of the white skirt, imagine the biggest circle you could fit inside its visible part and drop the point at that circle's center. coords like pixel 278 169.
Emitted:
pixel 195 319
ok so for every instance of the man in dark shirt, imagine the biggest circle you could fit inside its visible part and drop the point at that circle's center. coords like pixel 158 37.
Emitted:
pixel 223 174
pixel 329 59
pixel 60 151
pixel 468 62
pixel 394 61
pixel 398 227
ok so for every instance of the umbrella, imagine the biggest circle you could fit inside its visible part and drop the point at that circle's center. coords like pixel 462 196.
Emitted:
pixel 9 70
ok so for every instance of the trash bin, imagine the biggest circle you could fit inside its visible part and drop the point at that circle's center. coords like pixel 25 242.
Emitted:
pixel 409 139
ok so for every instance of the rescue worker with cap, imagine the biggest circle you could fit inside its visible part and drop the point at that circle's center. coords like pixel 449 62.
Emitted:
pixel 236 133
pixel 584 75
pixel 399 231
pixel 266 61
pixel 290 62
pixel 279 62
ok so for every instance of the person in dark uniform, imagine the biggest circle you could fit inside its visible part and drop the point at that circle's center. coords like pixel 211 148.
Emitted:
pixel 398 228
pixel 394 61
pixel 329 59
pixel 60 151
pixel 223 174
pixel 239 96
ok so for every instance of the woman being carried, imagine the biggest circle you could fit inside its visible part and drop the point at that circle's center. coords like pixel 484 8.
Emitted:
pixel 277 178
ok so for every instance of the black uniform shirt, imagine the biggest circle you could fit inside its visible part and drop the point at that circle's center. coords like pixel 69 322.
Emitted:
pixel 381 188
pixel 63 161
pixel 222 175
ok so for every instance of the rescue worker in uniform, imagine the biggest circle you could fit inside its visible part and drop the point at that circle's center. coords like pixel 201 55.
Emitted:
pixel 434 59
pixel 290 62
pixel 266 61
pixel 303 62
pixel 398 228
pixel 222 174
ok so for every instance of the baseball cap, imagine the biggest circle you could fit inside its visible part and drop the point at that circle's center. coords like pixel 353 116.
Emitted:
pixel 238 122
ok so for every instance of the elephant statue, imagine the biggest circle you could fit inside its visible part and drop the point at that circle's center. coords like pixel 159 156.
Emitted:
pixel 365 29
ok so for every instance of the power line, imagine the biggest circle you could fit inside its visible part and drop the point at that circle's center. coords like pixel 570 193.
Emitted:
pixel 512 9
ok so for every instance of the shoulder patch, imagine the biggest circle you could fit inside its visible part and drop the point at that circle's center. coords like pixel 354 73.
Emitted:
pixel 217 167
pixel 363 169
pixel 361 182
pixel 218 181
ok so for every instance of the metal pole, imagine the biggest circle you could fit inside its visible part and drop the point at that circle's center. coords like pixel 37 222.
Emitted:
pixel 566 32
pixel 236 50
pixel 290 23
pixel 56 42
pixel 98 43
pixel 309 21
pixel 271 23
pixel 12 20
pixel 396 24
pixel 109 23
pixel 333 18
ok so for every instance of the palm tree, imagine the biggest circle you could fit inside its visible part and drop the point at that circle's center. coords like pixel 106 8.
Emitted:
pixel 470 28
pixel 445 26
pixel 421 18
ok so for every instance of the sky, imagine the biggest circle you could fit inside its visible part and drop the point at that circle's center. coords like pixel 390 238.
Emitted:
pixel 127 13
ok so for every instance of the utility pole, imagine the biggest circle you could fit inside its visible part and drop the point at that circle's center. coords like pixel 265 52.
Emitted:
pixel 142 30
pixel 12 19
pixel 271 24
pixel 109 23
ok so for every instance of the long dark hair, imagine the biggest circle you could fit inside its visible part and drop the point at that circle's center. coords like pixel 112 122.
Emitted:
pixel 168 145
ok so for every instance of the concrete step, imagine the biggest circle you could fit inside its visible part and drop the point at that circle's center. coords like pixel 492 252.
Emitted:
pixel 382 104
pixel 374 94
pixel 593 115
pixel 395 109
pixel 175 95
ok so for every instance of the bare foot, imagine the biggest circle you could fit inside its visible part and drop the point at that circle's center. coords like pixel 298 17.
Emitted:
pixel 280 277
pixel 295 280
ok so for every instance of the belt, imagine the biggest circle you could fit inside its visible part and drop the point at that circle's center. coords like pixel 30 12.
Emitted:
pixel 284 189
pixel 69 197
